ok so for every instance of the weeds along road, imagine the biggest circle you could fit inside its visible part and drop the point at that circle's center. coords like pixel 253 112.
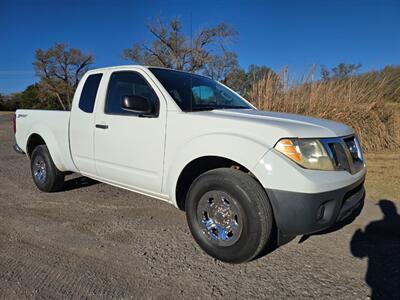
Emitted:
pixel 96 241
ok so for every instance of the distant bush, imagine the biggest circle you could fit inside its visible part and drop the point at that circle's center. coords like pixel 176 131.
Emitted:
pixel 32 98
pixel 7 103
pixel 358 101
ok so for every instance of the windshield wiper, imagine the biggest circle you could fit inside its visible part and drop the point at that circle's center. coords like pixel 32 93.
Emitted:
pixel 233 107
pixel 203 108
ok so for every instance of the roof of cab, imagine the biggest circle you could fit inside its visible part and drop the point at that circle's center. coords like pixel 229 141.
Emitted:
pixel 122 67
pixel 127 67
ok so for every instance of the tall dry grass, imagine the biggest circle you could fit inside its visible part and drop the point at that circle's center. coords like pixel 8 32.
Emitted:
pixel 352 101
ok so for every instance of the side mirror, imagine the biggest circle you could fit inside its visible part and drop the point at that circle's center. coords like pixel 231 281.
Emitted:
pixel 137 104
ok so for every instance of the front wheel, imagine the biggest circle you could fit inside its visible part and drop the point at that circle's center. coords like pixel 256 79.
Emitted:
pixel 229 215
pixel 44 172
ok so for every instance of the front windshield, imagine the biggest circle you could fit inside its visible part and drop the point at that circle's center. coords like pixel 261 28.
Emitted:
pixel 193 92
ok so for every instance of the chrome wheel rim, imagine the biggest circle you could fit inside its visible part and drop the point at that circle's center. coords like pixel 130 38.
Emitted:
pixel 219 216
pixel 39 169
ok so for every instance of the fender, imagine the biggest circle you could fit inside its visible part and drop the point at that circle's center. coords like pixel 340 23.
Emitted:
pixel 231 146
pixel 60 153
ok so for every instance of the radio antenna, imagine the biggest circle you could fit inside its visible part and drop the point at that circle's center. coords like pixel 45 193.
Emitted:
pixel 191 61
pixel 191 39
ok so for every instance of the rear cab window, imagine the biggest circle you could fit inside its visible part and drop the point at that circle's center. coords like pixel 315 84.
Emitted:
pixel 89 92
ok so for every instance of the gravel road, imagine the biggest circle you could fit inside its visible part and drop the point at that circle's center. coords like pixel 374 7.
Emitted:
pixel 97 241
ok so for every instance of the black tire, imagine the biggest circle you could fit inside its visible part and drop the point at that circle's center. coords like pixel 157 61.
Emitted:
pixel 44 173
pixel 253 222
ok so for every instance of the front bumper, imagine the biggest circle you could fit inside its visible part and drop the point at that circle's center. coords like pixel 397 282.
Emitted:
pixel 298 213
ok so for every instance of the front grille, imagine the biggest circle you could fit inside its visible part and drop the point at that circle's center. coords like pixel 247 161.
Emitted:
pixel 339 157
pixel 345 153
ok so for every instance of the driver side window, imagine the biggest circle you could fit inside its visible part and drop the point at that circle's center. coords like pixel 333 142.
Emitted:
pixel 127 83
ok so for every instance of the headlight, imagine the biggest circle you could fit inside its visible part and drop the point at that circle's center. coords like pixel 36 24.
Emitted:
pixel 308 153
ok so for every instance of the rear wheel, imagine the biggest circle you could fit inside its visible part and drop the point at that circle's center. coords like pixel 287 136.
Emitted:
pixel 229 215
pixel 44 173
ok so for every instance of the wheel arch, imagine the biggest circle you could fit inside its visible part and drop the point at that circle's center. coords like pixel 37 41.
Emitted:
pixel 227 150
pixel 45 137
pixel 33 141
pixel 198 166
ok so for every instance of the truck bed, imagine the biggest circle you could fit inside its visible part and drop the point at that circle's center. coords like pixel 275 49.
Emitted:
pixel 53 127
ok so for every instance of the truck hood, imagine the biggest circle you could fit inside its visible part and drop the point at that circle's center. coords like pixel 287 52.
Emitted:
pixel 289 124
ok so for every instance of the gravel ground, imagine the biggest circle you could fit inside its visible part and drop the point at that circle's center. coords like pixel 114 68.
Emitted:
pixel 97 241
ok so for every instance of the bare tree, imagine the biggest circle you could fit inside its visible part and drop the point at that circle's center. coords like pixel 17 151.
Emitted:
pixel 171 48
pixel 341 71
pixel 219 67
pixel 60 68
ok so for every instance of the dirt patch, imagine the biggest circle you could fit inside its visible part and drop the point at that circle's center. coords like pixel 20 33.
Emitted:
pixel 383 178
pixel 2 113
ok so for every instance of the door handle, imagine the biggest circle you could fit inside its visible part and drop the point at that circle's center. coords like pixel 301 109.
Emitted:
pixel 101 126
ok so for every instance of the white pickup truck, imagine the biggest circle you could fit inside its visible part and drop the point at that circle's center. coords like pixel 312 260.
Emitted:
pixel 244 177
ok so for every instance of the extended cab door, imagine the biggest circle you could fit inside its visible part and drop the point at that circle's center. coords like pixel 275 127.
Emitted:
pixel 129 148
pixel 81 128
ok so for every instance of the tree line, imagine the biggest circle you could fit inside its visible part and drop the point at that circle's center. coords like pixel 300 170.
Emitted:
pixel 60 67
